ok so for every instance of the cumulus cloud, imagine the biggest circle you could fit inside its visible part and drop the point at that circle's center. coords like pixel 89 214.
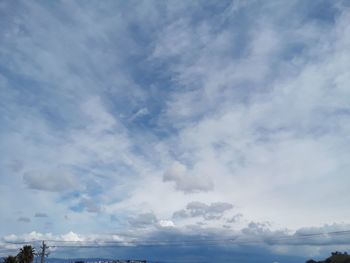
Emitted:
pixel 49 182
pixel 166 223
pixel 308 238
pixel 26 237
pixel 71 236
pixel 187 181
pixel 208 212
pixel 257 228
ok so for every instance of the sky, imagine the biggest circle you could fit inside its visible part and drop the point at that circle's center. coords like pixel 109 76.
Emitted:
pixel 133 121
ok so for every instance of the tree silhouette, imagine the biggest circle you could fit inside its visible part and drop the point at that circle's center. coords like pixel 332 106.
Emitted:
pixel 10 259
pixel 337 257
pixel 26 254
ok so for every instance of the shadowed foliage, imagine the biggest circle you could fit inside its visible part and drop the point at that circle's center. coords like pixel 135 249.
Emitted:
pixel 10 259
pixel 26 254
pixel 337 257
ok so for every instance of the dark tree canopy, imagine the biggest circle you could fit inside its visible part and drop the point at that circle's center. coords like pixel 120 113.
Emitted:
pixel 26 254
pixel 337 257
pixel 10 259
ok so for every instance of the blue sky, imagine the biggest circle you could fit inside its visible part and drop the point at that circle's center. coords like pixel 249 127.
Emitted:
pixel 167 119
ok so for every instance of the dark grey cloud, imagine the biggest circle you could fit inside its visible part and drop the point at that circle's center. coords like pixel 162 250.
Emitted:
pixel 332 235
pixel 90 205
pixel 48 225
pixel 187 181
pixel 143 220
pixel 49 182
pixel 40 214
pixel 16 166
pixel 24 219
pixel 235 218
pixel 199 209
pixel 257 228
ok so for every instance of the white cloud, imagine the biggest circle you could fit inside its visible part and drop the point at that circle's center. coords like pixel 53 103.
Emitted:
pixel 71 236
pixel 166 223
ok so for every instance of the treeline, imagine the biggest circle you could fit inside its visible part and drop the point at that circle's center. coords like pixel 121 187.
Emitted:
pixel 25 255
pixel 336 257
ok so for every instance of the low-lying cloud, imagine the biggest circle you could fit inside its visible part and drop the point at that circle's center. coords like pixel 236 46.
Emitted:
pixel 199 209
pixel 143 220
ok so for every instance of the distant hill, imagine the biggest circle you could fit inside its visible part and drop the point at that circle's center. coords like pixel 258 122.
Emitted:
pixel 92 260
pixel 337 257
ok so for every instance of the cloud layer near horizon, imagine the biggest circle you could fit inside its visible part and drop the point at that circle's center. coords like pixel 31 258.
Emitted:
pixel 192 116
